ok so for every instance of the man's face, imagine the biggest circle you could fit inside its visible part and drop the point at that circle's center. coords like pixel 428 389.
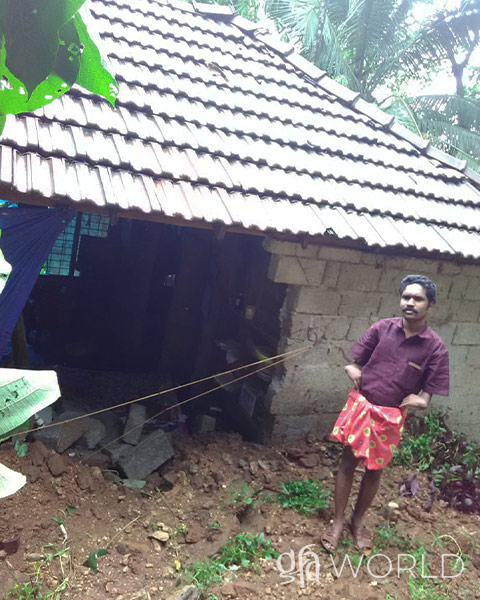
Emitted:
pixel 413 303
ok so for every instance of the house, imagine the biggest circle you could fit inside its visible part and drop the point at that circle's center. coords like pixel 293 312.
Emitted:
pixel 238 193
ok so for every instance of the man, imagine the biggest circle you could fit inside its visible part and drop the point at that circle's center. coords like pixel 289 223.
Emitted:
pixel 399 364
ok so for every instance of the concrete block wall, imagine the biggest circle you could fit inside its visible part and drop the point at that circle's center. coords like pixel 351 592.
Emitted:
pixel 333 296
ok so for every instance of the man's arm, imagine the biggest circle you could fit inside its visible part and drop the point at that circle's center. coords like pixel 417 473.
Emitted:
pixel 420 400
pixel 354 371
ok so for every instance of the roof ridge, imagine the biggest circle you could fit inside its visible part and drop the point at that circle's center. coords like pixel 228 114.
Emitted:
pixel 349 97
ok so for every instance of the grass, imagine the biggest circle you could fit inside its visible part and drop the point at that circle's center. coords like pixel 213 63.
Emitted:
pixel 305 496
pixel 241 552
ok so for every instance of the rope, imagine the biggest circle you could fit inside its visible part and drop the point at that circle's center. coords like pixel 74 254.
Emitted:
pixel 222 385
pixel 287 355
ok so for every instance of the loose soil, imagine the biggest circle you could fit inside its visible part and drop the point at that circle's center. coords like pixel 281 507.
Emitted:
pixel 198 515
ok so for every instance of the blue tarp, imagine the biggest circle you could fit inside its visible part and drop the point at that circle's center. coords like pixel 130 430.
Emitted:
pixel 27 237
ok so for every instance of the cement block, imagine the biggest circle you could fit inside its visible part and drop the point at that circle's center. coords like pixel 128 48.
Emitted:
pixel 459 286
pixel 444 285
pixel 473 356
pixel 358 327
pixel 279 247
pixel 204 423
pixel 390 281
pixel 153 451
pixel 473 290
pixel 331 274
pixel 95 432
pixel 468 310
pixel 420 266
pixel 358 278
pixel 330 328
pixel 389 306
pixel 370 258
pixel 449 268
pixel 471 270
pixel 289 248
pixel 446 331
pixel 467 334
pixel 355 304
pixel 134 425
pixel 325 380
pixel 297 326
pixel 317 301
pixel 295 270
pixel 340 254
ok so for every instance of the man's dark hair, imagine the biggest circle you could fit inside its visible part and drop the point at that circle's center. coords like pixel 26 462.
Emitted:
pixel 427 284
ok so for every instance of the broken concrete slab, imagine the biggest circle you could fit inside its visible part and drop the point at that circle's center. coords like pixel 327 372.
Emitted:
pixel 139 461
pixel 95 432
pixel 134 425
pixel 204 424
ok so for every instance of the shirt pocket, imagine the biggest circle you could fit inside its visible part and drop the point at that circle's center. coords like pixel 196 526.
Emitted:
pixel 411 378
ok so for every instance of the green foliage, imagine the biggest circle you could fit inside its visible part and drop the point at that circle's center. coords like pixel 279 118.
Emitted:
pixel 21 448
pixel 241 552
pixel 305 496
pixel 416 448
pixel 45 48
pixel 91 561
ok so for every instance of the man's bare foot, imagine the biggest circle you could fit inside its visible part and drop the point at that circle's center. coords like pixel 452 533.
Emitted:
pixel 361 537
pixel 331 536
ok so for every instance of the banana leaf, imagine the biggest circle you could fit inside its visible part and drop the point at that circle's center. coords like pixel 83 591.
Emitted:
pixel 24 393
pixel 10 481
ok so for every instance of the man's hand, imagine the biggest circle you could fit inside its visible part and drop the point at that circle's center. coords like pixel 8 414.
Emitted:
pixel 355 374
pixel 416 400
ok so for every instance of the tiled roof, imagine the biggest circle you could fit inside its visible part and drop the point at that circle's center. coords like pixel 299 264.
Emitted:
pixel 219 122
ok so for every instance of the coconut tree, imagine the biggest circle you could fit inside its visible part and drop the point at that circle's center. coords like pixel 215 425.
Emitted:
pixel 377 47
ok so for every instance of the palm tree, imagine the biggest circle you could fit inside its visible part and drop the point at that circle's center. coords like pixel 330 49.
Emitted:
pixel 373 45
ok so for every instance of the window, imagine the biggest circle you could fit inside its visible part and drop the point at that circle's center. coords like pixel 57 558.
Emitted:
pixel 62 258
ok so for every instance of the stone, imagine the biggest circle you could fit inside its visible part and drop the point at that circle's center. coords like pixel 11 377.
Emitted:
pixel 56 464
pixel 359 278
pixel 152 452
pixel 189 592
pixel 160 536
pixel 356 304
pixel 331 274
pixel 134 425
pixel 44 417
pixel 309 461
pixel 316 301
pixel 467 334
pixel 84 480
pixel 295 270
pixel 38 453
pixel 228 590
pixel 194 533
pixel 245 587
pixel 204 424
pixel 473 290
pixel 339 254
pixel 393 505
pixel 95 432
pixel 32 473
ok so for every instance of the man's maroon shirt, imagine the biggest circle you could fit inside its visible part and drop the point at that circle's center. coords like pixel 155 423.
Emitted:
pixel 394 366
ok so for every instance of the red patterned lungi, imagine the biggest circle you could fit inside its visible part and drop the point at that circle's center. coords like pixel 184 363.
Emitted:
pixel 372 431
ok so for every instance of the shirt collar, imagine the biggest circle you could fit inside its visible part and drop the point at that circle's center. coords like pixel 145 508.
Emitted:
pixel 423 333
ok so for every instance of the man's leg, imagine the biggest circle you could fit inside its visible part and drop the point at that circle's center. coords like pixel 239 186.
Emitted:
pixel 368 489
pixel 343 486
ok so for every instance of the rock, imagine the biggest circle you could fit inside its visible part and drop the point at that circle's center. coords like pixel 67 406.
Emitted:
pixel 71 432
pixel 38 453
pixel 44 417
pixel 84 480
pixel 253 466
pixel 393 505
pixel 96 473
pixel 323 473
pixel 134 425
pixel 263 465
pixel 228 589
pixel 309 461
pixel 204 424
pixel 192 469
pixel 122 549
pixel 160 536
pixel 194 533
pixel 56 464
pixel 242 463
pixel 33 473
pixel 244 587
pixel 152 452
pixel 95 432
pixel 189 592
pixel 154 480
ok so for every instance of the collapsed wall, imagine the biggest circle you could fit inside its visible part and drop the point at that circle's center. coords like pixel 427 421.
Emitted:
pixel 333 296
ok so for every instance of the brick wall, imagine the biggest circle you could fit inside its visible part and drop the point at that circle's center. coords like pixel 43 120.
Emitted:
pixel 333 296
